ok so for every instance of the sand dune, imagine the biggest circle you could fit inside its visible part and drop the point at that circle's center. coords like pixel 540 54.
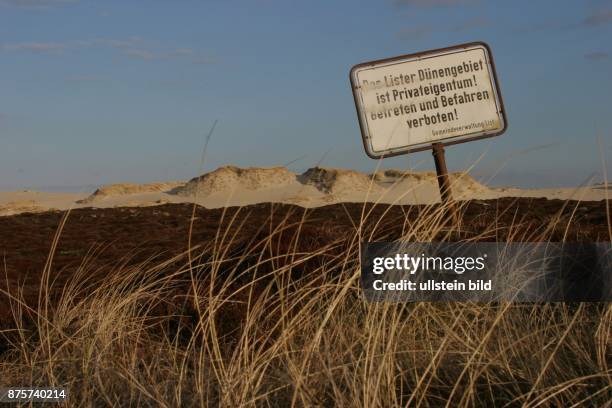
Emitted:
pixel 231 186
pixel 125 189
pixel 20 206
pixel 231 178
pixel 337 181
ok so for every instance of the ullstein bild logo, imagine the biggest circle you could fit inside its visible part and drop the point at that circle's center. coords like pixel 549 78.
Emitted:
pixel 522 272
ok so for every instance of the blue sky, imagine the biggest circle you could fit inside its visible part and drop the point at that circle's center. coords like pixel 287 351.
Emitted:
pixel 96 92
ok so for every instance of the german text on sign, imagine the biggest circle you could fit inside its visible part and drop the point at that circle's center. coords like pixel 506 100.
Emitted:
pixel 407 103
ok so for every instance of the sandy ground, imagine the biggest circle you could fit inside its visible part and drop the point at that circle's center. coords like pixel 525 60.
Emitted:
pixel 233 186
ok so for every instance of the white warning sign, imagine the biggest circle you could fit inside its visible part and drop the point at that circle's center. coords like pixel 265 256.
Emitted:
pixel 406 103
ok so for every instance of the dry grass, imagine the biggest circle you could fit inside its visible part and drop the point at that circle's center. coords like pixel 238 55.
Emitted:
pixel 274 325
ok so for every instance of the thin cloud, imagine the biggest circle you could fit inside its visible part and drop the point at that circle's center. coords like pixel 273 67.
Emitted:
pixel 140 54
pixel 181 52
pixel 414 33
pixel 176 83
pixel 85 78
pixel 435 3
pixel 113 43
pixel 52 47
pixel 204 60
pixel 36 47
pixel 151 55
pixel 596 56
pixel 133 47
pixel 477 22
pixel 36 4
pixel 598 18
pixel 417 32
pixel 136 47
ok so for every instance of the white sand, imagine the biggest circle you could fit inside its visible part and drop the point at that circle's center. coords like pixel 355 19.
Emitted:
pixel 233 186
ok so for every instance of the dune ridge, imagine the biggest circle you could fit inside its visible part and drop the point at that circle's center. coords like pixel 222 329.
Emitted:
pixel 121 189
pixel 21 206
pixel 324 179
pixel 232 177
pixel 317 186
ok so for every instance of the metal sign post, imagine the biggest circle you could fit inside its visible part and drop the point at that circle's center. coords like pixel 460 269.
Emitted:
pixel 428 100
pixel 444 184
pixel 442 173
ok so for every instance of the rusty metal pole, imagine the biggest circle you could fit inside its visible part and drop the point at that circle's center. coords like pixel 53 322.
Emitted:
pixel 442 172
pixel 444 181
